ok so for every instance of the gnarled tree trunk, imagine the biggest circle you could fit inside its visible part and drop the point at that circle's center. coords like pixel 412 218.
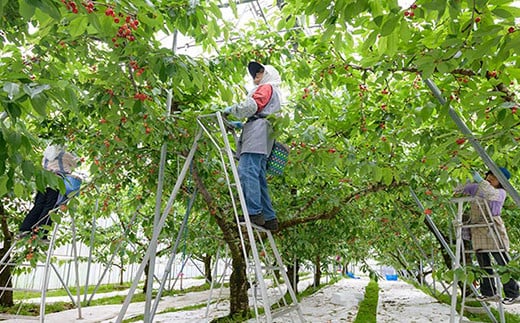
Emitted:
pixel 206 259
pixel 6 297
pixel 293 272
pixel 317 271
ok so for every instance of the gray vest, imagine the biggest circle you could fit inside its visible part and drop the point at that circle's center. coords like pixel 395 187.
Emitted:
pixel 257 134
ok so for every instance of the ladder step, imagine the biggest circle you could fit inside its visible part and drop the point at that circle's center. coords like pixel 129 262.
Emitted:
pixel 24 264
pixel 285 310
pixel 480 250
pixel 256 227
pixel 477 225
pixel 20 289
pixel 21 318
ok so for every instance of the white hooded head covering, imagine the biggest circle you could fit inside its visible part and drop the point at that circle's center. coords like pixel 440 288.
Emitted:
pixel 271 75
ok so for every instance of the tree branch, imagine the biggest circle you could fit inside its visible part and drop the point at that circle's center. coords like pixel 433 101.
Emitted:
pixel 333 212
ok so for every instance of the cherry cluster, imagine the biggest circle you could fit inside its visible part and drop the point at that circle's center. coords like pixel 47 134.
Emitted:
pixel 138 70
pixel 141 96
pixel 125 31
pixel 409 13
pixel 72 6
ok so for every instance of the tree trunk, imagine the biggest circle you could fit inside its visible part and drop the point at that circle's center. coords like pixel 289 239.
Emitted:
pixel 293 271
pixel 317 271
pixel 238 284
pixel 344 269
pixel 146 270
pixel 6 297
pixel 207 267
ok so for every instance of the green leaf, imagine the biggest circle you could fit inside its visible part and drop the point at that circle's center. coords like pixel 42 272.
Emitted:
pixel 39 104
pixel 502 13
pixel 387 176
pixel 3 185
pixel 94 21
pixel 14 110
pixel 51 8
pixel 369 41
pixel 35 90
pixel 26 10
pixel 443 67
pixel 389 25
pixel 12 89
pixel 18 189
pixel 392 43
pixel 3 154
pixel 331 29
pixel 2 5
pixel 78 26
pixel 71 98
pixel 377 173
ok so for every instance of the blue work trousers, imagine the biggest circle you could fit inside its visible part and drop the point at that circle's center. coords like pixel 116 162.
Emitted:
pixel 251 170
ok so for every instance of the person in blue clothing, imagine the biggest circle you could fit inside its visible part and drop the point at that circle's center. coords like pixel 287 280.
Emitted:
pixel 61 163
pixel 483 242
pixel 256 141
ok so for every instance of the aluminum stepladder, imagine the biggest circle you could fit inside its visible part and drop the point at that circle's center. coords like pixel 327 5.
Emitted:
pixel 17 245
pixel 211 125
pixel 455 258
pixel 485 223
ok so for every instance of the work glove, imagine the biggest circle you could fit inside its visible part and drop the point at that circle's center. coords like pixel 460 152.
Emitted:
pixel 227 110
pixel 236 124
pixel 476 177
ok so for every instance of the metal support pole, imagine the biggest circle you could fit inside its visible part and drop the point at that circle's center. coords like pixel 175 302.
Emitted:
pixel 172 257
pixel 158 228
pixel 46 273
pixel 158 199
pixel 91 246
pixel 474 142
pixel 76 267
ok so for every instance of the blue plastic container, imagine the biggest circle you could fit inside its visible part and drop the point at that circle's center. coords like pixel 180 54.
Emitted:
pixel 391 277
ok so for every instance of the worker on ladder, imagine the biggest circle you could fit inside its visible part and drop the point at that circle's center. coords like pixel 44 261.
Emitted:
pixel 484 241
pixel 61 162
pixel 256 141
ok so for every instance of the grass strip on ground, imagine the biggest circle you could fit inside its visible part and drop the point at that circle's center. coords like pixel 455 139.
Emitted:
pixel 367 312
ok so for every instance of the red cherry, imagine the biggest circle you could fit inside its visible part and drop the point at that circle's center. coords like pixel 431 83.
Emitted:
pixel 511 29
pixel 477 19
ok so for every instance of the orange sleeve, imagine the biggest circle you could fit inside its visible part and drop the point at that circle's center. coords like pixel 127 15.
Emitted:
pixel 262 96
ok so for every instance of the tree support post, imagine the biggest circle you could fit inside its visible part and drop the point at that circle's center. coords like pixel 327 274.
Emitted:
pixel 474 142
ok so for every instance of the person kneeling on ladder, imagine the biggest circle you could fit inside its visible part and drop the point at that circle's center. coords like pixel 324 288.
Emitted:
pixel 256 141
pixel 482 239
pixel 61 163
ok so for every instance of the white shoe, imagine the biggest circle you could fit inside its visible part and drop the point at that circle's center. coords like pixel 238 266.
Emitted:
pixel 511 300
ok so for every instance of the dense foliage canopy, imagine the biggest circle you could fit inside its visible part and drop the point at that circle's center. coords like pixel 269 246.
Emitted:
pixel 364 128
